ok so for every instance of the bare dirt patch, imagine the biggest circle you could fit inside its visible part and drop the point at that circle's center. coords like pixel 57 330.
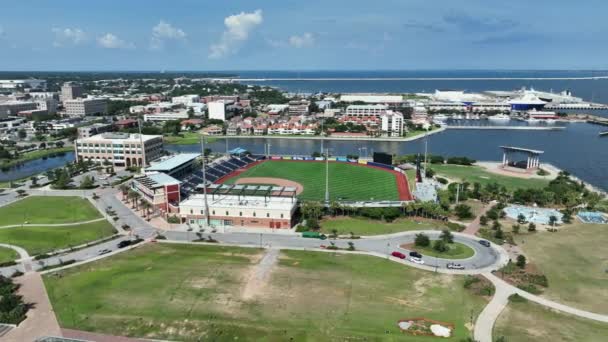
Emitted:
pixel 259 275
pixel 270 180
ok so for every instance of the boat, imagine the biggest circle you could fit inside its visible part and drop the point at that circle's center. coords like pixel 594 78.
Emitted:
pixel 532 120
pixel 604 134
pixel 499 117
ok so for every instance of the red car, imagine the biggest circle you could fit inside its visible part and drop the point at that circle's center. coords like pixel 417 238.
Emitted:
pixel 398 255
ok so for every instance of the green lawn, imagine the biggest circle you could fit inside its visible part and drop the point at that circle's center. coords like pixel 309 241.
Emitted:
pixel 363 226
pixel 346 181
pixel 181 292
pixel 456 251
pixel 7 254
pixel 529 321
pixel 186 138
pixel 477 174
pixel 48 210
pixel 575 263
pixel 39 240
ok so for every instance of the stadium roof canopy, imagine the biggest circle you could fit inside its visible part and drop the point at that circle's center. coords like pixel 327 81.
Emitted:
pixel 238 150
pixel 249 190
pixel 173 162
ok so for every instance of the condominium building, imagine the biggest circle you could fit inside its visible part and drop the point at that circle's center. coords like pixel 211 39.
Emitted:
pixel 85 107
pixel 71 91
pixel 121 149
pixel 169 116
pixel 221 110
pixel 366 110
pixel 392 123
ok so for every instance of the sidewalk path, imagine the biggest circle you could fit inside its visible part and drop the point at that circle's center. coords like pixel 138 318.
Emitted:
pixel 41 320
pixel 52 224
pixel 473 227
pixel 24 256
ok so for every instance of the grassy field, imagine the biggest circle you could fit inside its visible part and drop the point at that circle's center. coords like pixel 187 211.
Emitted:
pixel 363 226
pixel 456 251
pixel 48 210
pixel 527 321
pixel 477 174
pixel 346 181
pixel 574 261
pixel 186 138
pixel 39 240
pixel 7 254
pixel 197 293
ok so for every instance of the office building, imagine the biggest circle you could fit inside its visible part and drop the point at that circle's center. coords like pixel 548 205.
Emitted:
pixel 71 91
pixel 186 99
pixel 169 116
pixel 86 107
pixel 22 85
pixel 121 149
pixel 221 110
pixel 94 129
pixel 12 108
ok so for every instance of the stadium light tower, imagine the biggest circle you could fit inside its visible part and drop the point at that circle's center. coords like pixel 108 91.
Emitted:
pixel 207 220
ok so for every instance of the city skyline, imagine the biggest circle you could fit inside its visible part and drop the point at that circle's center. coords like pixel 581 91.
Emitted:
pixel 288 35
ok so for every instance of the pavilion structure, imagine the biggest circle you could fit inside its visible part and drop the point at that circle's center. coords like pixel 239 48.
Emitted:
pixel 511 153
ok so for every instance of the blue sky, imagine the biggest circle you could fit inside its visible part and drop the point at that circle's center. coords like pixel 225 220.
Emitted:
pixel 313 34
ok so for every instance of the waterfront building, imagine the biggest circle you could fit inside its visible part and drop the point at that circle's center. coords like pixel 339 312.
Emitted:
pixel 213 130
pixel 86 107
pixel 121 149
pixel 392 123
pixel 71 91
pixel 366 110
pixel 527 102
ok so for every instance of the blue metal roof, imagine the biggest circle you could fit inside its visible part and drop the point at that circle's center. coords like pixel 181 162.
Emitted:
pixel 237 150
pixel 174 162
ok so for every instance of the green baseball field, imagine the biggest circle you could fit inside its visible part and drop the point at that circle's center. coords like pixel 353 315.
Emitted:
pixel 347 182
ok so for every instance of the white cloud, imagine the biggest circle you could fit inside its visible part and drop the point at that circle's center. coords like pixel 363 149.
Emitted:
pixel 165 31
pixel 305 40
pixel 238 28
pixel 110 41
pixel 65 36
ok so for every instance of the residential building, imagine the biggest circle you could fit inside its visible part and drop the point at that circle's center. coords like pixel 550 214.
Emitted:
pixel 121 149
pixel 94 129
pixel 299 107
pixel 221 109
pixel 71 91
pixel 213 130
pixel 85 107
pixel 167 116
pixel 366 110
pixel 392 123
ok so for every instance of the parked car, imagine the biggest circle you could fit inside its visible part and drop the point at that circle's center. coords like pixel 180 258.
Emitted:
pixel 398 255
pixel 484 243
pixel 454 266
pixel 417 260
pixel 124 243
pixel 415 254
pixel 104 251
pixel 314 235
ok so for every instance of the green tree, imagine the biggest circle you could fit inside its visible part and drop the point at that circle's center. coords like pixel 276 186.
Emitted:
pixel 521 219
pixel 521 261
pixel 552 220
pixel 499 234
pixel 440 246
pixel 483 220
pixel 496 225
pixel 463 211
pixel 447 236
pixel 531 227
pixel 516 228
pixel 87 183
pixel 422 240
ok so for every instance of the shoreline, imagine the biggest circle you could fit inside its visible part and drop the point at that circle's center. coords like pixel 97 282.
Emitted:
pixel 345 138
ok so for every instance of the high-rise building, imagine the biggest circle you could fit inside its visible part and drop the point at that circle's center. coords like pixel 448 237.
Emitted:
pixel 70 91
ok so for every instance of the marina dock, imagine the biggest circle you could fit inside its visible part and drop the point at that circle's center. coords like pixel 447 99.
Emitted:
pixel 521 128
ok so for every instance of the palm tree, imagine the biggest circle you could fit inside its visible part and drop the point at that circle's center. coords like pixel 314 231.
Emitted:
pixel 146 206
pixel 133 196
pixel 124 188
